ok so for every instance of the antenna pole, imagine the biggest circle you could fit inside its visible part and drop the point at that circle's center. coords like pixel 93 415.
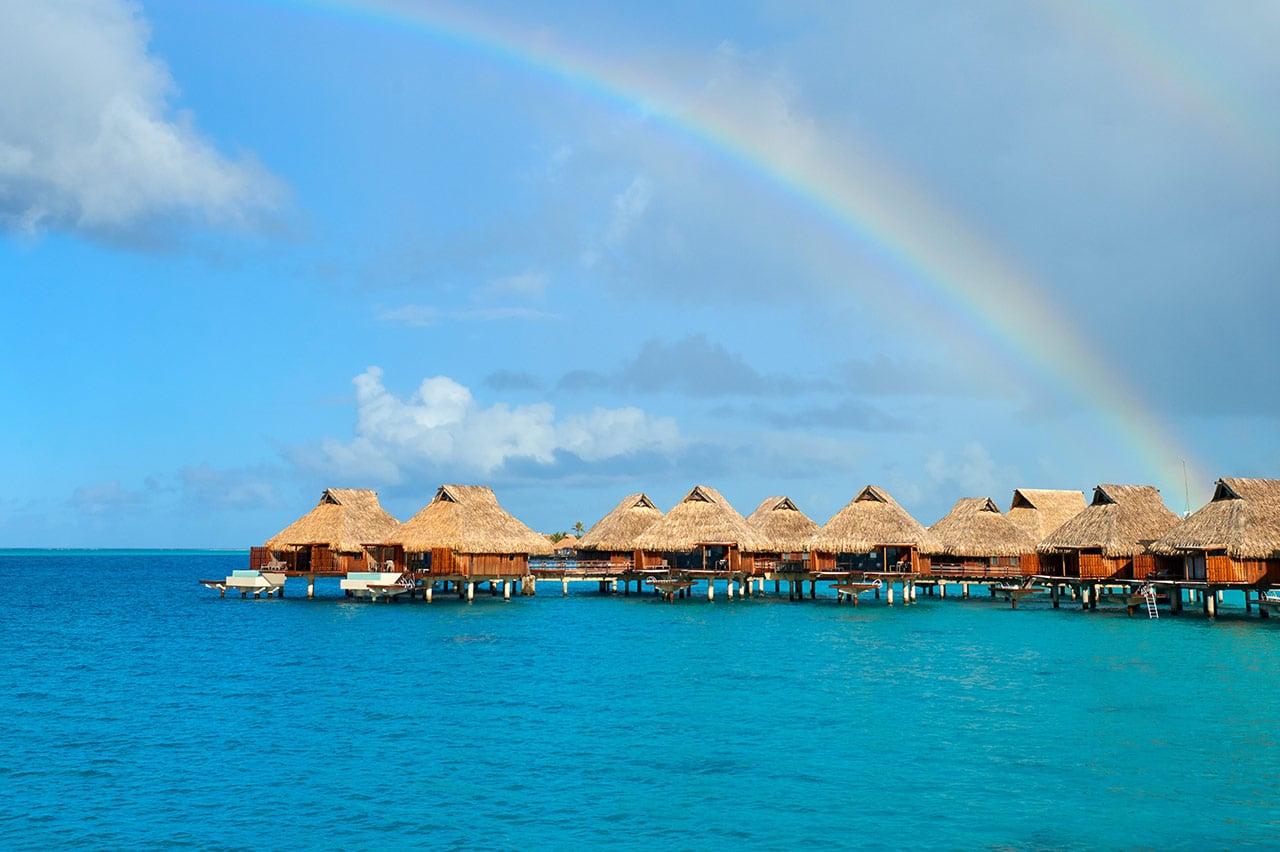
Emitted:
pixel 1186 489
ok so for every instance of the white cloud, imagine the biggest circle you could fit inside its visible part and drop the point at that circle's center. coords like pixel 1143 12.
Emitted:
pixel 530 285
pixel 973 474
pixel 88 141
pixel 627 210
pixel 107 496
pixel 441 424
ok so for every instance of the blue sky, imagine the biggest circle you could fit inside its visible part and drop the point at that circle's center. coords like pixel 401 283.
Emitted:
pixel 250 250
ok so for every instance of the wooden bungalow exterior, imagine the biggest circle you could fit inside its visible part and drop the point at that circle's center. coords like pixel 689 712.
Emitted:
pixel 343 533
pixel 787 528
pixel 1234 539
pixel 975 539
pixel 614 538
pixel 1111 538
pixel 463 533
pixel 702 532
pixel 871 534
pixel 566 546
pixel 1040 511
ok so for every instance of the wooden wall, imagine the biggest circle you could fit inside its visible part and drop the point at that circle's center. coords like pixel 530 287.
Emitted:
pixel 1092 565
pixel 1220 568
pixel 446 562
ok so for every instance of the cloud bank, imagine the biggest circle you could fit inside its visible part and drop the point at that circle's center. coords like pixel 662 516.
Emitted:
pixel 442 426
pixel 88 141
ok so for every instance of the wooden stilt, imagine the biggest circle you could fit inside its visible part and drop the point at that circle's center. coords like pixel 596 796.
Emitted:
pixel 889 592
pixel 1053 594
pixel 471 592
pixel 1211 603
pixel 506 590
pixel 311 587
pixel 964 590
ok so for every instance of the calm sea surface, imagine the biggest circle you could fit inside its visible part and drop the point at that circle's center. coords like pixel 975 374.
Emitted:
pixel 141 710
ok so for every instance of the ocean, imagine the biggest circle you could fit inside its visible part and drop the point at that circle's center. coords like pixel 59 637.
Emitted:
pixel 143 711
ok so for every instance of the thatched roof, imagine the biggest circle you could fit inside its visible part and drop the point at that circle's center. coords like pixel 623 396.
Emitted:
pixel 783 524
pixel 1243 518
pixel 975 527
pixel 618 530
pixel 567 541
pixel 1041 511
pixel 468 519
pixel 872 519
pixel 1122 520
pixel 344 520
pixel 703 517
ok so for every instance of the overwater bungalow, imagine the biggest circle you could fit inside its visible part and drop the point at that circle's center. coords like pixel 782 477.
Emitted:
pixel 1234 539
pixel 1110 539
pixel 702 532
pixel 464 535
pixel 343 533
pixel 614 538
pixel 975 539
pixel 871 534
pixel 788 528
pixel 1040 511
pixel 565 546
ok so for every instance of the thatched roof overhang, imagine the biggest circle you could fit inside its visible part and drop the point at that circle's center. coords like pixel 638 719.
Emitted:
pixel 779 519
pixel 1122 520
pixel 1041 511
pixel 975 527
pixel 1243 519
pixel 702 519
pixel 344 521
pixel 871 520
pixel 468 519
pixel 619 530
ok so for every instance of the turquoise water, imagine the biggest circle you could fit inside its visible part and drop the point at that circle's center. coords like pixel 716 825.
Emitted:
pixel 142 711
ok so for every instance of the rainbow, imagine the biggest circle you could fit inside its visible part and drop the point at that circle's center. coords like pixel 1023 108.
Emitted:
pixel 944 261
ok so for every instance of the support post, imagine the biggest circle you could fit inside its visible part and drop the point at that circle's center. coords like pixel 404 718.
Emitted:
pixel 889 592
pixel 1211 603
pixel 711 589
pixel 471 591
pixel 311 587
pixel 506 590
pixel 964 590
pixel 1053 594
